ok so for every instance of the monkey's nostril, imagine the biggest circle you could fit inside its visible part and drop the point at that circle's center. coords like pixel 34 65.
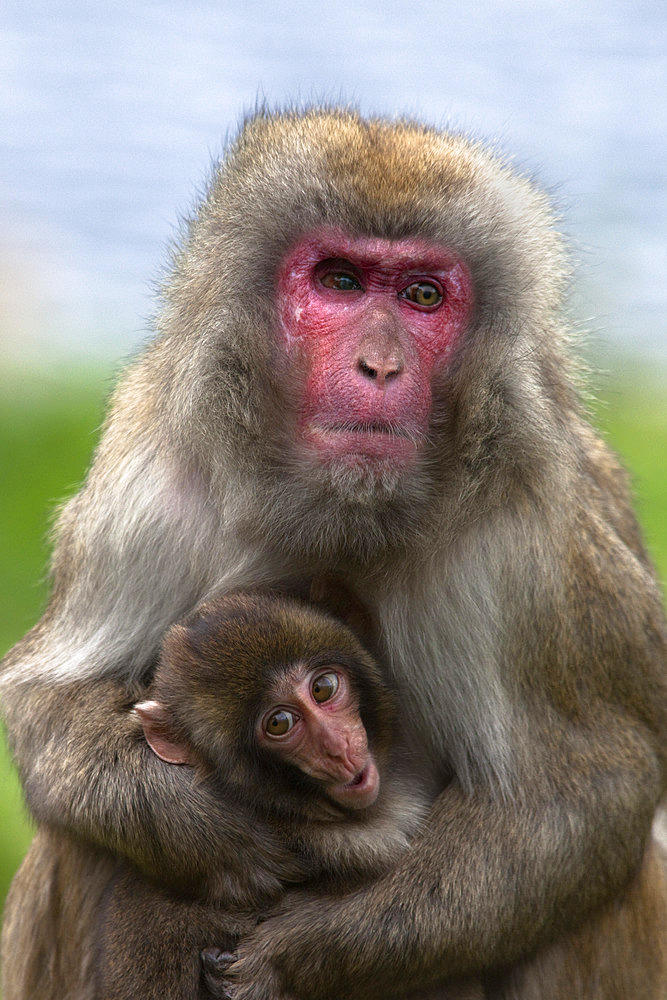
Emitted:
pixel 384 371
pixel 367 370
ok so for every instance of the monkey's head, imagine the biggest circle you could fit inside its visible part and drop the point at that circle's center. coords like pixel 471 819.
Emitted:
pixel 363 317
pixel 274 699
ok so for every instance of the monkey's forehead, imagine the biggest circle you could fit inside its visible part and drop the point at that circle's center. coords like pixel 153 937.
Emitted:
pixel 287 676
pixel 391 172
pixel 289 174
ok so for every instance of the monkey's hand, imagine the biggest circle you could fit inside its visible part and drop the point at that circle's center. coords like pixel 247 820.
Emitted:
pixel 263 960
pixel 252 977
pixel 483 883
pixel 214 965
pixel 221 986
pixel 254 973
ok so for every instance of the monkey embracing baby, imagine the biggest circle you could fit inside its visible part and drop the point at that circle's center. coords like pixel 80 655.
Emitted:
pixel 363 367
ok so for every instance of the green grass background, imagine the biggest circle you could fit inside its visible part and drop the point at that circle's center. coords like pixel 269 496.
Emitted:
pixel 48 428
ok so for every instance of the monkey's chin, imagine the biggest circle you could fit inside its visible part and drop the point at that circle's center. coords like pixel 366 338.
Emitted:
pixel 361 792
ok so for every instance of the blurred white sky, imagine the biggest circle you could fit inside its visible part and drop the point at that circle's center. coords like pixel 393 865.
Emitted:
pixel 113 112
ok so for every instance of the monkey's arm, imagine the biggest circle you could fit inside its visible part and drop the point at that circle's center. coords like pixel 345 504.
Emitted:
pixel 87 769
pixel 485 882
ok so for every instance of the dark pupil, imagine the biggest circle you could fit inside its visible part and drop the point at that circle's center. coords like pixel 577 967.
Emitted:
pixel 427 292
pixel 279 722
pixel 324 687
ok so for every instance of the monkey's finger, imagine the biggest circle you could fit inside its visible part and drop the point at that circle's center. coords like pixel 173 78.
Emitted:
pixel 215 962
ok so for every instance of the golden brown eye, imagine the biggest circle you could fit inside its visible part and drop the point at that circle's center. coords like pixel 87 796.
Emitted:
pixel 423 293
pixel 324 687
pixel 341 281
pixel 279 723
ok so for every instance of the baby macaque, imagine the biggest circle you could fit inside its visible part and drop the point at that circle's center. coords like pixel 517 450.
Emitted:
pixel 282 711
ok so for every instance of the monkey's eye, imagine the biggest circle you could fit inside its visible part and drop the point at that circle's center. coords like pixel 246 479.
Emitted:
pixel 340 280
pixel 426 294
pixel 324 687
pixel 279 723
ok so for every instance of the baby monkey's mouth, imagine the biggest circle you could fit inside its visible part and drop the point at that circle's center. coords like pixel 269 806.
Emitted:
pixel 361 791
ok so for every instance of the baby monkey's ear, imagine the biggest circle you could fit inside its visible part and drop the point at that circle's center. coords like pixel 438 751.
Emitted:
pixel 158 731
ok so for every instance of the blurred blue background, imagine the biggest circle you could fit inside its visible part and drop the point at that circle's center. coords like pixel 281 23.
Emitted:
pixel 113 112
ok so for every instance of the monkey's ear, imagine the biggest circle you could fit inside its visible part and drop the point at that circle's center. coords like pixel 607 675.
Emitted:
pixel 156 723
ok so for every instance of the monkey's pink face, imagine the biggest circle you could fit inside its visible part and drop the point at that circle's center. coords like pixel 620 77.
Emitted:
pixel 372 321
pixel 315 724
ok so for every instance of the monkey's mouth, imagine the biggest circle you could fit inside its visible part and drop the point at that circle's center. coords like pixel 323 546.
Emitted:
pixel 367 439
pixel 365 427
pixel 361 792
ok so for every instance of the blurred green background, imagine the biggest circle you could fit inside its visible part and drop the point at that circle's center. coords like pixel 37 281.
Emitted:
pixel 48 428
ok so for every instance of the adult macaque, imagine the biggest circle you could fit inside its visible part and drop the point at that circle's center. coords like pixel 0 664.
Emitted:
pixel 361 367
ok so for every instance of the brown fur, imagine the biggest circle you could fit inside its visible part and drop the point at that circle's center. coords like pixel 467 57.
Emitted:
pixel 99 929
pixel 517 611
pixel 620 953
pixel 53 904
pixel 216 669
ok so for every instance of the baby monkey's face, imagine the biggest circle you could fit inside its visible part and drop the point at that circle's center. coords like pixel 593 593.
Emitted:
pixel 312 721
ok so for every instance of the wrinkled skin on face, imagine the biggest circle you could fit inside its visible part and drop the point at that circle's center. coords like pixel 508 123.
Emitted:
pixel 372 321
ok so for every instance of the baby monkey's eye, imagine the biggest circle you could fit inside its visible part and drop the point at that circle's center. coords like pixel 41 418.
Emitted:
pixel 279 723
pixel 324 686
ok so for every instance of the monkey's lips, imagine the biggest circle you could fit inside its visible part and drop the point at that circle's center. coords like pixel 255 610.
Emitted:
pixel 361 792
pixel 367 440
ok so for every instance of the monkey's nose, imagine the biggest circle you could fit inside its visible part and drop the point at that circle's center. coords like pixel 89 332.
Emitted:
pixel 346 752
pixel 379 353
pixel 378 369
